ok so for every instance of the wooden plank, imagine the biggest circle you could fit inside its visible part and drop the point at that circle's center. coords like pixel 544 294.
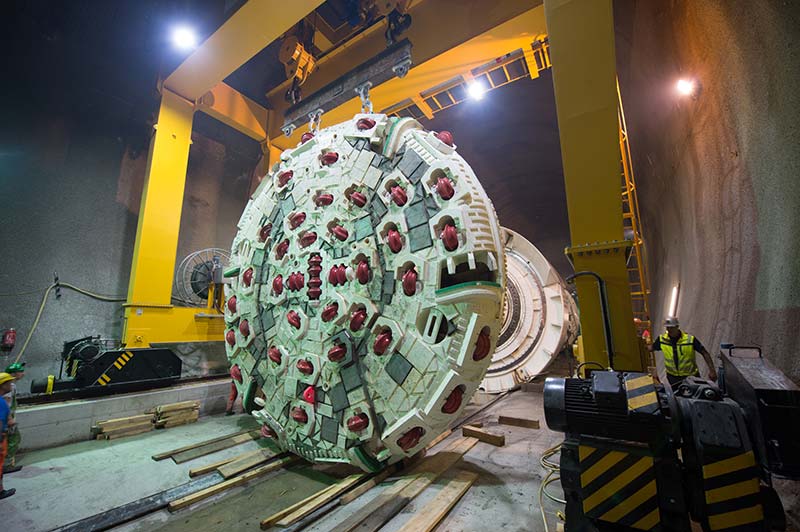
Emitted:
pixel 497 440
pixel 203 450
pixel 160 409
pixel 428 517
pixel 335 490
pixel 202 470
pixel 519 422
pixel 382 508
pixel 123 421
pixel 182 412
pixel 122 434
pixel 366 486
pixel 230 483
pixel 168 454
pixel 182 417
pixel 119 428
pixel 245 462
pixel 439 438
pixel 280 514
pixel 168 424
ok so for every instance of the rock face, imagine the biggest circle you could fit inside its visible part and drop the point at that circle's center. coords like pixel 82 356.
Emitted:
pixel 368 277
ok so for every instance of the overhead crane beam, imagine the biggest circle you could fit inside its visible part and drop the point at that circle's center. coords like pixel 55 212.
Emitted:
pixel 248 31
pixel 448 36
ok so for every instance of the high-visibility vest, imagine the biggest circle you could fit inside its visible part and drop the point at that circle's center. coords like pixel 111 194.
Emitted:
pixel 679 362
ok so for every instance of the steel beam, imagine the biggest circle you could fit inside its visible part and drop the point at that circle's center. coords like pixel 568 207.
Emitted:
pixel 448 37
pixel 584 77
pixel 254 26
pixel 236 110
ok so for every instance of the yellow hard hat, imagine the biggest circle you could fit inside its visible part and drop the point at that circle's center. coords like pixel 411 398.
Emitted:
pixel 5 377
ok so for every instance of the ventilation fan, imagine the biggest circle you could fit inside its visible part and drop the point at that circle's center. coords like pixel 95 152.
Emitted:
pixel 197 275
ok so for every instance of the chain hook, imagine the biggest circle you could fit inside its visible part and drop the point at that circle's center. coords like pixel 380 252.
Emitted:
pixel 363 93
pixel 314 120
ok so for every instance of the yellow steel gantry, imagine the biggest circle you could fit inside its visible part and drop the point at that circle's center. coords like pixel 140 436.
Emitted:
pixel 584 80
pixel 474 35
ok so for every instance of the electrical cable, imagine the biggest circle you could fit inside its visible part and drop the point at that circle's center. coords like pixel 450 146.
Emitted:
pixel 598 364
pixel 552 475
pixel 101 297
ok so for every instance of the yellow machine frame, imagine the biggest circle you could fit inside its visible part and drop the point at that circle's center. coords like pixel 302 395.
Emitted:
pixel 588 137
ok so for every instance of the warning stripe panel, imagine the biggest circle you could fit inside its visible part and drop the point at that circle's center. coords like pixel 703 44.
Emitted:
pixel 648 521
pixel 603 465
pixel 616 484
pixel 584 451
pixel 743 516
pixel 638 382
pixel 732 491
pixel 626 506
pixel 729 465
pixel 634 403
pixel 619 487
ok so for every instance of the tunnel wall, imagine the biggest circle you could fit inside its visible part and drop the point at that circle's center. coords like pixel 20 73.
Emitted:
pixel 72 191
pixel 719 175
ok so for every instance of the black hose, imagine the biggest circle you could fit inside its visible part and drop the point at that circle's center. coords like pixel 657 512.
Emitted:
pixel 601 285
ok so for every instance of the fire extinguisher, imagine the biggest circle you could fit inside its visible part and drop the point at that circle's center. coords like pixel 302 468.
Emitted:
pixel 9 340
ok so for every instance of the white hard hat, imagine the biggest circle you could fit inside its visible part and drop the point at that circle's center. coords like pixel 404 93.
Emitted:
pixel 671 322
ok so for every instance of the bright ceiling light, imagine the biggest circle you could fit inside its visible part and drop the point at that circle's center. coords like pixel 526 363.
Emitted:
pixel 476 90
pixel 184 38
pixel 685 87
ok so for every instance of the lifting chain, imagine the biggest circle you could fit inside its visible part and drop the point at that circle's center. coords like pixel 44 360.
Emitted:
pixel 363 93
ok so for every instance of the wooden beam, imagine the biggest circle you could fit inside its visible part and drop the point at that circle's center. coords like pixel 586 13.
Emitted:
pixel 280 514
pixel 382 508
pixel 320 500
pixel 519 422
pixel 497 440
pixel 230 483
pixel 245 462
pixel 191 454
pixel 428 517
pixel 167 454
pixel 438 439
pixel 368 485
pixel 213 466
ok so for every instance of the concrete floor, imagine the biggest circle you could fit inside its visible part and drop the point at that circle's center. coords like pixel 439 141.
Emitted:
pixel 65 484
pixel 62 485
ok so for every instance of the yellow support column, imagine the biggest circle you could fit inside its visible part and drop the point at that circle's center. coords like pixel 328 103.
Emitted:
pixel 584 77
pixel 153 264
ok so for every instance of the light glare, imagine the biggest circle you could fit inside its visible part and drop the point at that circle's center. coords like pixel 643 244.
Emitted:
pixel 673 304
pixel 476 90
pixel 184 38
pixel 685 87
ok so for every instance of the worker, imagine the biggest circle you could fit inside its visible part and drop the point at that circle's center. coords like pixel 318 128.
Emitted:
pixel 16 370
pixel 679 349
pixel 5 422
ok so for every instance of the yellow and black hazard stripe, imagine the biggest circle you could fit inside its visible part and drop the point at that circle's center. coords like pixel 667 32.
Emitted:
pixel 119 363
pixel 619 487
pixel 732 493
pixel 641 391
